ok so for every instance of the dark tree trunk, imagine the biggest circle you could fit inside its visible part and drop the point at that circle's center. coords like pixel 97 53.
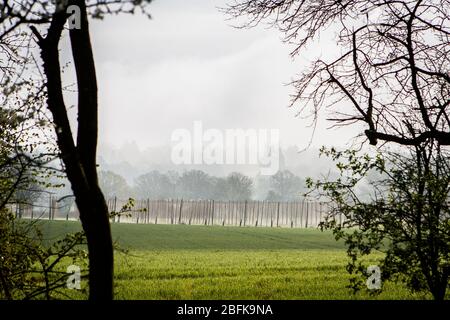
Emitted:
pixel 80 159
pixel 95 221
pixel 95 218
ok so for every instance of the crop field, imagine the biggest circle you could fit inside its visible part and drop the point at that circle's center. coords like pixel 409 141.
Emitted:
pixel 204 262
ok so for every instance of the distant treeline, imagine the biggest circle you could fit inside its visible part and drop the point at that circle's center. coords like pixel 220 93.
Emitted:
pixel 196 184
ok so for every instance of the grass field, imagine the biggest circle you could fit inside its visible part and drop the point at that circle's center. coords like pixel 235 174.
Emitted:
pixel 198 262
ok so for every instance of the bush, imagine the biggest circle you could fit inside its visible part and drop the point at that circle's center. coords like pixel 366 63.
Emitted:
pixel 28 268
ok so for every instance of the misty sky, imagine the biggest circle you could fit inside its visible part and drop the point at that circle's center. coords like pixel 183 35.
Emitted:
pixel 187 63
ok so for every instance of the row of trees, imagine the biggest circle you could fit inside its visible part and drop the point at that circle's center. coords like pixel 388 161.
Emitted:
pixel 196 184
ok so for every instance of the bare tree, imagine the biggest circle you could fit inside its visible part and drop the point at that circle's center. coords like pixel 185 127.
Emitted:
pixel 47 21
pixel 392 68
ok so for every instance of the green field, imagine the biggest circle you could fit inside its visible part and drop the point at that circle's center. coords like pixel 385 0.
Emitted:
pixel 199 262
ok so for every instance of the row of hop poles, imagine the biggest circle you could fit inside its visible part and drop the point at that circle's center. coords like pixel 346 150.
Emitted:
pixel 200 212
pixel 210 212
pixel 41 211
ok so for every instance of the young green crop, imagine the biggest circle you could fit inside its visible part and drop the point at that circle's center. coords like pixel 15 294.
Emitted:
pixel 200 262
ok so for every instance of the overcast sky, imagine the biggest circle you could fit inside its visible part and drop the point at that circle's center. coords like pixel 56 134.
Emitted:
pixel 186 64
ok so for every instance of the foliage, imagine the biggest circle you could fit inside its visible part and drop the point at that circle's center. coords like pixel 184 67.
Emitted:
pixel 234 187
pixel 113 185
pixel 406 216
pixel 285 186
pixel 126 211
pixel 28 268
pixel 197 184
pixel 155 185
pixel 193 184
pixel 23 155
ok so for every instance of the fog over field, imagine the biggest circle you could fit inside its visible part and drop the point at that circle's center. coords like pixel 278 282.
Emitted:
pixel 189 64
pixel 130 161
pixel 225 150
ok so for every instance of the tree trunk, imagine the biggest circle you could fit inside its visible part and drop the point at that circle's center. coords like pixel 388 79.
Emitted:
pixel 95 220
pixel 80 159
pixel 438 290
pixel 95 216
